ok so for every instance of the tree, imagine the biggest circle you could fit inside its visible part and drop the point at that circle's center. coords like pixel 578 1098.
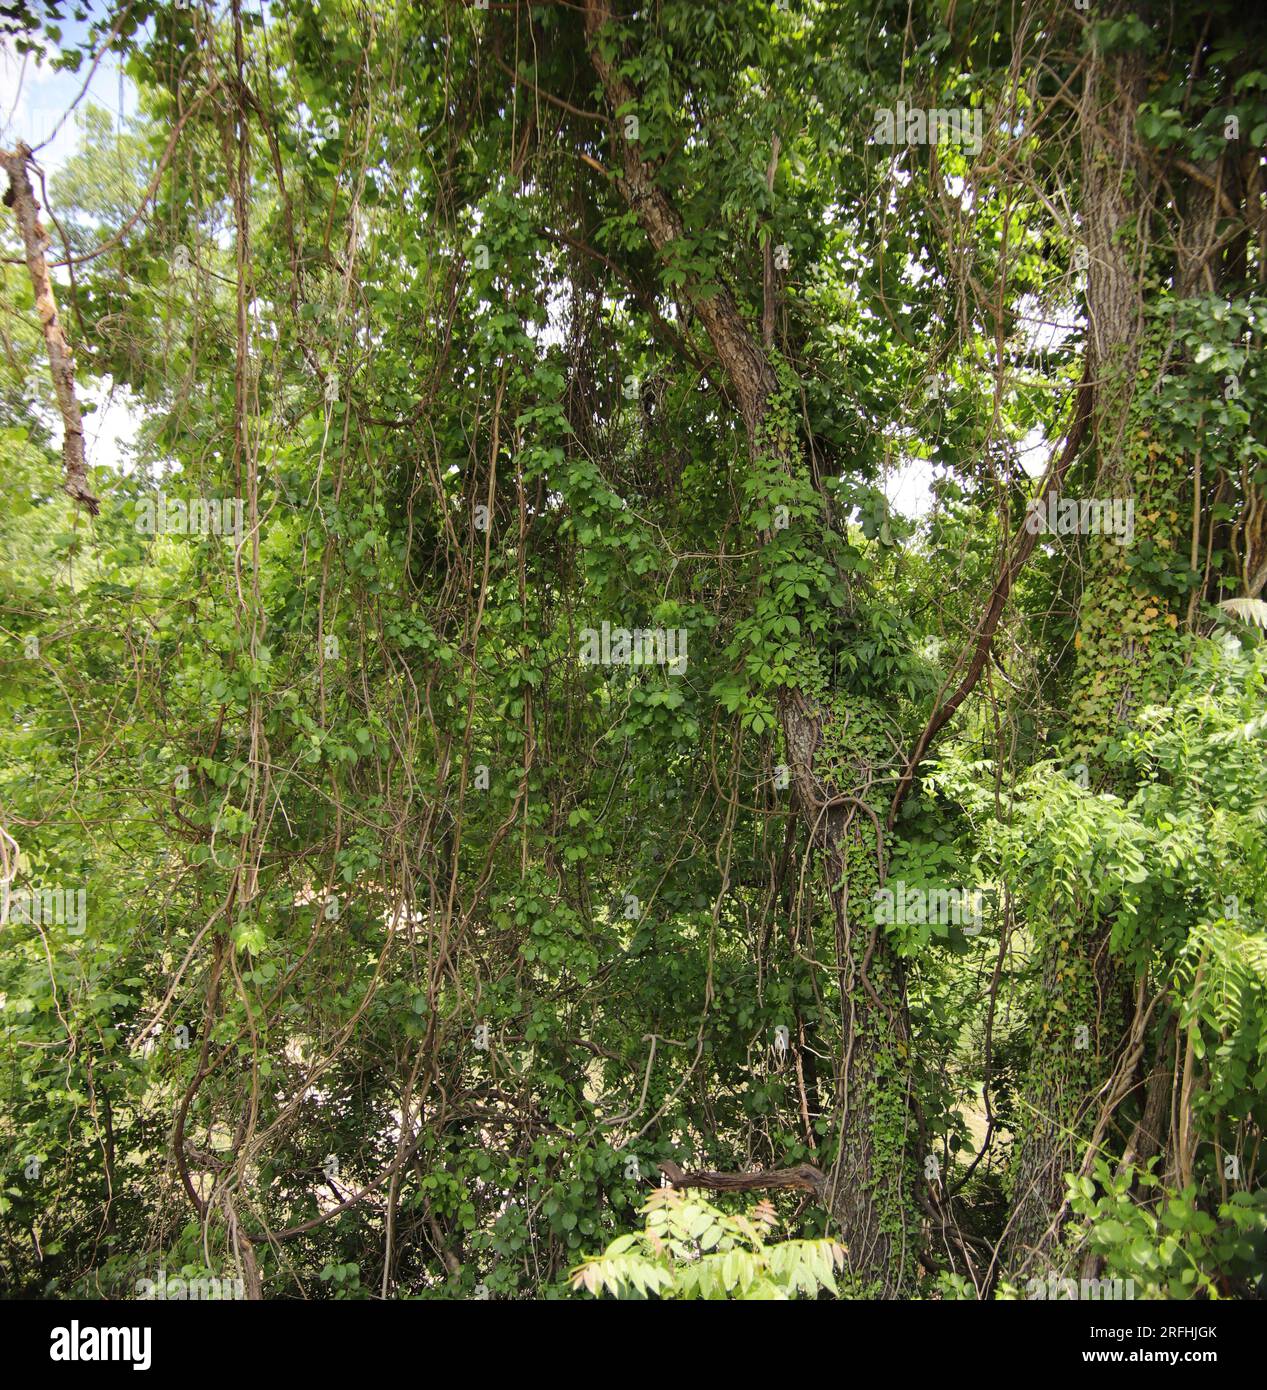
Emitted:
pixel 507 737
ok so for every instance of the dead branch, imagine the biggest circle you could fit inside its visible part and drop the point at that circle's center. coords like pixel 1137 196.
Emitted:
pixel 21 198
pixel 804 1177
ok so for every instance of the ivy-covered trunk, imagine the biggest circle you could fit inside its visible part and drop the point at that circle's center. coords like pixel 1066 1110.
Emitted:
pixel 873 1193
pixel 1078 1017
pixel 1096 1031
pixel 871 1188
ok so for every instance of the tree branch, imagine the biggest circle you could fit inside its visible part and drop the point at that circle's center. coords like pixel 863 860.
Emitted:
pixel 805 1178
pixel 1022 547
pixel 21 198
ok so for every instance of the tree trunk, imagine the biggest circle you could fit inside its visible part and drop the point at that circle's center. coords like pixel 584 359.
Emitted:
pixel 870 1188
pixel 1079 984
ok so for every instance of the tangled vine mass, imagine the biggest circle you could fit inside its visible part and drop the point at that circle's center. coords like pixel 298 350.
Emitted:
pixel 633 649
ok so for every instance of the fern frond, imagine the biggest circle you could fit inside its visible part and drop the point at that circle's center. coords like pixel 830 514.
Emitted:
pixel 1248 610
pixel 1232 966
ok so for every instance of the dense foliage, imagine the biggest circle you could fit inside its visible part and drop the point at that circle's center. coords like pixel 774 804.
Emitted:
pixel 501 733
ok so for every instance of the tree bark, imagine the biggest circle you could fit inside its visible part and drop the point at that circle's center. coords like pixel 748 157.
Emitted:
pixel 868 1190
pixel 21 198
pixel 1079 984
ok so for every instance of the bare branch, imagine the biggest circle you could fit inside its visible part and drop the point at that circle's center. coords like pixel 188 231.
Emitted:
pixel 21 198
